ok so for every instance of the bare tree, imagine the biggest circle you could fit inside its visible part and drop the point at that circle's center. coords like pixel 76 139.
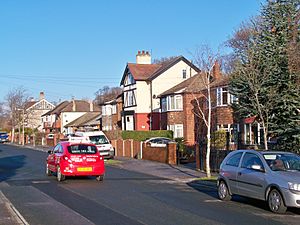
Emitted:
pixel 205 59
pixel 16 100
pixel 106 94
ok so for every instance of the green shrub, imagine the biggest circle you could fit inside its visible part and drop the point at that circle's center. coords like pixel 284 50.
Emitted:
pixel 218 140
pixel 143 135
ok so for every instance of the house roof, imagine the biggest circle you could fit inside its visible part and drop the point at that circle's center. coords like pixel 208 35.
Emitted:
pixel 66 106
pixel 144 72
pixel 195 84
pixel 80 106
pixel 57 109
pixel 29 104
pixel 192 84
pixel 86 118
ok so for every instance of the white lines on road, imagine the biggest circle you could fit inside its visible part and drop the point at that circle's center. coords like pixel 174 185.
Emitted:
pixel 213 200
pixel 41 182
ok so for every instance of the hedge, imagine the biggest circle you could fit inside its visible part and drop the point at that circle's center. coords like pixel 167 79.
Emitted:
pixel 143 135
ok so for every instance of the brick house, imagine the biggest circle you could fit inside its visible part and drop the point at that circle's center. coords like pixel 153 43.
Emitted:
pixel 142 82
pixel 179 107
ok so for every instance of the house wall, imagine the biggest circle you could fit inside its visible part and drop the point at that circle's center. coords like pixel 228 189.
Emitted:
pixel 143 97
pixel 189 118
pixel 169 79
pixel 67 117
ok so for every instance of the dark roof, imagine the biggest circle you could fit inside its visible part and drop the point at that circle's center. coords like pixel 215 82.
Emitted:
pixel 66 106
pixel 80 106
pixel 57 109
pixel 29 104
pixel 151 71
pixel 87 117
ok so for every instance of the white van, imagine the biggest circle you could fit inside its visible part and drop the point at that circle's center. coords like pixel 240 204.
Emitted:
pixel 100 140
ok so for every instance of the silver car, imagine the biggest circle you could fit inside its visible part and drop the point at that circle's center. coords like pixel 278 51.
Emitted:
pixel 266 175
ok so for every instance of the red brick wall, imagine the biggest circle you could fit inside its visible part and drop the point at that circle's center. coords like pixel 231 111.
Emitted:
pixel 175 117
pixel 189 119
pixel 158 154
pixel 133 149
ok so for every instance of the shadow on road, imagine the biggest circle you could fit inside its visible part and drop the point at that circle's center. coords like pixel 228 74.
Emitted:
pixel 9 165
pixel 210 188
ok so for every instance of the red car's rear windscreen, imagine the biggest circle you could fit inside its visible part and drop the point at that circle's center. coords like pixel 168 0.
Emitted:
pixel 82 149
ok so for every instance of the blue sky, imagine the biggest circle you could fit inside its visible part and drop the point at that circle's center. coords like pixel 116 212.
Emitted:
pixel 71 48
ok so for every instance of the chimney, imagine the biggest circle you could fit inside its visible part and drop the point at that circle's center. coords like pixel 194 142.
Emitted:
pixel 91 106
pixel 42 95
pixel 73 105
pixel 143 57
pixel 217 71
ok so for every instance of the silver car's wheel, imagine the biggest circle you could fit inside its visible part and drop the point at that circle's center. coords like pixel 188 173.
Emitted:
pixel 223 191
pixel 60 176
pixel 275 202
pixel 48 172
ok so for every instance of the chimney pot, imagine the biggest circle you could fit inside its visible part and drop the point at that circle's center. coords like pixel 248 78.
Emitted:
pixel 143 57
pixel 42 95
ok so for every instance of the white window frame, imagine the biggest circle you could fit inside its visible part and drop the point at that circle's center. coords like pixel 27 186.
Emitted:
pixel 184 74
pixel 177 130
pixel 172 103
pixel 230 98
pixel 164 104
pixel 129 98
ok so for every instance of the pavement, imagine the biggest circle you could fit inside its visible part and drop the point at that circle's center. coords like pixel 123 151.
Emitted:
pixel 184 173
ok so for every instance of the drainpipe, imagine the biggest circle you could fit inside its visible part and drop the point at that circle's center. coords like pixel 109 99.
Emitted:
pixel 151 105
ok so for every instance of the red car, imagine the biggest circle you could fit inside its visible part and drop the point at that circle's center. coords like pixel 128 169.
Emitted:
pixel 75 159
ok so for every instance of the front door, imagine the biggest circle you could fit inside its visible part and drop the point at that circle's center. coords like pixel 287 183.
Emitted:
pixel 129 122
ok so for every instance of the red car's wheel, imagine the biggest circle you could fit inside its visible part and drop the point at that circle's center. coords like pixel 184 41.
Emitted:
pixel 60 176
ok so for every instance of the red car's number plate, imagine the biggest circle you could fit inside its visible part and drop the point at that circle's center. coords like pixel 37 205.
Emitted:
pixel 84 169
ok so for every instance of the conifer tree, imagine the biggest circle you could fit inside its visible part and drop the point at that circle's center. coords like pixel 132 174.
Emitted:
pixel 263 80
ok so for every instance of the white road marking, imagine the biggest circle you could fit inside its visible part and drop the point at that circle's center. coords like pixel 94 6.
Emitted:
pixel 41 182
pixel 213 200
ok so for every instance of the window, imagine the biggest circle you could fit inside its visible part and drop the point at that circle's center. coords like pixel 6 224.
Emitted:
pixel 99 139
pixel 224 98
pixel 164 104
pixel 233 130
pixel 184 74
pixel 129 80
pixel 234 160
pixel 250 159
pixel 177 130
pixel 82 149
pixel 114 109
pixel 129 98
pixel 253 134
pixel 174 102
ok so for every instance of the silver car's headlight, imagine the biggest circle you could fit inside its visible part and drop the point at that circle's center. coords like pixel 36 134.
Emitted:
pixel 294 186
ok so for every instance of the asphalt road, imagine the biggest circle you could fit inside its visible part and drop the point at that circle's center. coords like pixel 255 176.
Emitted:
pixel 124 197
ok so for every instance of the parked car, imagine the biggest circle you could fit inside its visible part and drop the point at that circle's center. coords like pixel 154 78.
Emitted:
pixel 3 137
pixel 100 140
pixel 75 159
pixel 266 175
pixel 159 141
